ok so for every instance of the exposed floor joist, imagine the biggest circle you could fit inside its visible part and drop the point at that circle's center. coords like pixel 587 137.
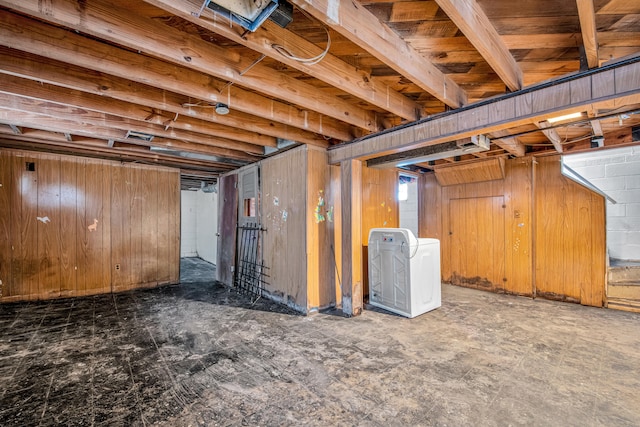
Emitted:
pixel 330 69
pixel 589 31
pixel 101 19
pixel 109 88
pixel 55 43
pixel 474 24
pixel 365 30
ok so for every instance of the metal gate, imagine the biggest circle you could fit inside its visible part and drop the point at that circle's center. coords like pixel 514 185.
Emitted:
pixel 250 271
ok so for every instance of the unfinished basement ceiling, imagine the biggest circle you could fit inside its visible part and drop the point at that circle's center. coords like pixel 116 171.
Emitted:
pixel 78 76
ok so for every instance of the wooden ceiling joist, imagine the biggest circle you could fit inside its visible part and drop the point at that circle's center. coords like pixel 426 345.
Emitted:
pixel 88 149
pixel 104 20
pixel 510 144
pixel 361 27
pixel 588 28
pixel 74 98
pixel 56 43
pixel 330 69
pixel 38 69
pixel 474 24
pixel 551 134
pixel 612 87
pixel 43 122
pixel 80 116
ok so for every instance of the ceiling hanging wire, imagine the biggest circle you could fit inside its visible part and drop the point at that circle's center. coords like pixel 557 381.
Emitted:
pixel 306 61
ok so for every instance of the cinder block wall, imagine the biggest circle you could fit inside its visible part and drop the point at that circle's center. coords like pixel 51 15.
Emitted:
pixel 617 173
pixel 409 209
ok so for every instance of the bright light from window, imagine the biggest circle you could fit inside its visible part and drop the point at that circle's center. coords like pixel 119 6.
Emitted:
pixel 403 191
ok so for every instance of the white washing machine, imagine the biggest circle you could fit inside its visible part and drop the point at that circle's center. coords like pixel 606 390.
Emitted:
pixel 404 272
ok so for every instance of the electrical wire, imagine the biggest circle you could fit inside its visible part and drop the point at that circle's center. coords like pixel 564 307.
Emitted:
pixel 306 61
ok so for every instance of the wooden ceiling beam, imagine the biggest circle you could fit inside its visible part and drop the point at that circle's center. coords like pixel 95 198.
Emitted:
pixel 109 88
pixel 477 28
pixel 56 43
pixel 85 149
pixel 74 98
pixel 614 87
pixel 330 69
pixel 589 30
pixel 104 20
pixel 596 127
pixel 551 134
pixel 509 144
pixel 44 122
pixel 361 27
pixel 79 115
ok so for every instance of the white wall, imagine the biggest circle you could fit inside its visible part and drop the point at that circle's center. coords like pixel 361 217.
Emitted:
pixel 199 225
pixel 617 173
pixel 188 243
pixel 207 220
pixel 409 209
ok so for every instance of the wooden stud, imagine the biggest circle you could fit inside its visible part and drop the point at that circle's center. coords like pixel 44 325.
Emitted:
pixel 351 203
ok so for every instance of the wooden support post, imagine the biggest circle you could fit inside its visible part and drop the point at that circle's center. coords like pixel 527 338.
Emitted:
pixel 351 197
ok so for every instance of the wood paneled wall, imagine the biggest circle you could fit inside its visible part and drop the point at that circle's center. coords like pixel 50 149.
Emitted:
pixel 76 226
pixel 284 215
pixel 570 261
pixel 379 200
pixel 299 213
pixel 490 232
pixel 227 228
pixel 380 209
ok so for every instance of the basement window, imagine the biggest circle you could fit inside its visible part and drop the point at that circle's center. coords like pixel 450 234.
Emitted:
pixel 403 191
pixel 249 207
pixel 403 187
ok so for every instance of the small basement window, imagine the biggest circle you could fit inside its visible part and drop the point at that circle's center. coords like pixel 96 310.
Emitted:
pixel 249 207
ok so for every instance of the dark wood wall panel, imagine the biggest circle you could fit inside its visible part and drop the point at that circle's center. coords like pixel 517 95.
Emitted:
pixel 68 208
pixel 48 226
pixel 66 225
pixel 6 204
pixel 120 233
pixel 149 226
pixel 173 183
pixel 227 221
pixel 163 230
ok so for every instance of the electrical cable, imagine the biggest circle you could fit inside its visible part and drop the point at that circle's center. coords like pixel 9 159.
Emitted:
pixel 306 61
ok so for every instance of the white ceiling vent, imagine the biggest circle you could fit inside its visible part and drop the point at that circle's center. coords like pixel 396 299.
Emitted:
pixel 248 13
pixel 139 136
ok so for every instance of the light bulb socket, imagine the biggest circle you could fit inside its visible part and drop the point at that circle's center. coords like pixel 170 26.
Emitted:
pixel 222 109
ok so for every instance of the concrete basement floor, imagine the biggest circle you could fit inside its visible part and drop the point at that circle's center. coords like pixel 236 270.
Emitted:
pixel 199 354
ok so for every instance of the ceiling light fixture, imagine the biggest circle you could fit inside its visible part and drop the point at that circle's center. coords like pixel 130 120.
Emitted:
pixel 565 117
pixel 222 109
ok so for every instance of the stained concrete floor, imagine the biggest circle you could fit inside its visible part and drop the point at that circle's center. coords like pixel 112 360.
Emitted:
pixel 199 354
